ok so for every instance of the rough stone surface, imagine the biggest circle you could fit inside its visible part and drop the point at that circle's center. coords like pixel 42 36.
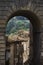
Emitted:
pixel 7 7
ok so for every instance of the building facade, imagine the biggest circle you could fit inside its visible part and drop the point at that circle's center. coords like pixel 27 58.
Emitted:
pixel 32 9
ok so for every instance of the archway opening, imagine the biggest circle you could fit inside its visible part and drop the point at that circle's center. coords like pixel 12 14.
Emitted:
pixel 18 30
pixel 34 21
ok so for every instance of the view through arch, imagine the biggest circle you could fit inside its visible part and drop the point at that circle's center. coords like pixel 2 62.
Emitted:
pixel 19 36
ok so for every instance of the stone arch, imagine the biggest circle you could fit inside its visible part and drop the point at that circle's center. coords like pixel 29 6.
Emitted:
pixel 29 14
pixel 36 35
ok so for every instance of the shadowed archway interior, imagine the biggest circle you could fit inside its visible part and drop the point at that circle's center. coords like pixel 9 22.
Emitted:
pixel 36 27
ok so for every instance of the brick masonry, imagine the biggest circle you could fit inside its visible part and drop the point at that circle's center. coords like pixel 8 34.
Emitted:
pixel 7 7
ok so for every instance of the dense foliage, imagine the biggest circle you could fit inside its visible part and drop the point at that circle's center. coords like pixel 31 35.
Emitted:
pixel 17 23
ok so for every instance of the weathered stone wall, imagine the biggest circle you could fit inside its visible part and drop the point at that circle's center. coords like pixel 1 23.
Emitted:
pixel 7 7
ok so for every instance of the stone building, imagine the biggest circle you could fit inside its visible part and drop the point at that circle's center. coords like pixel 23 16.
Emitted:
pixel 32 9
